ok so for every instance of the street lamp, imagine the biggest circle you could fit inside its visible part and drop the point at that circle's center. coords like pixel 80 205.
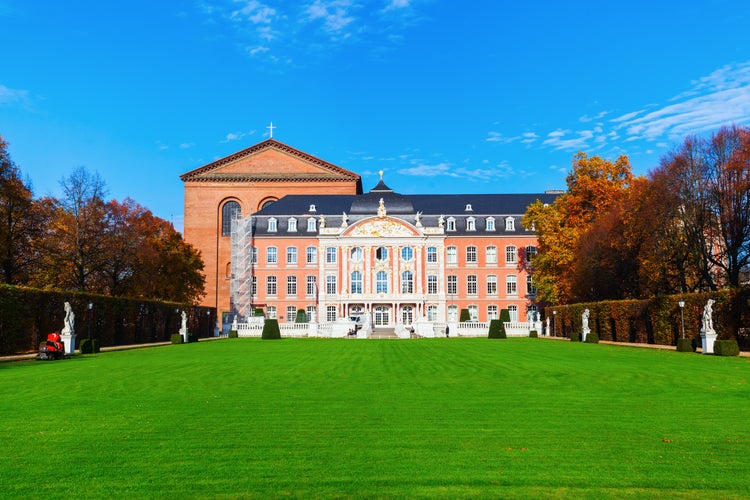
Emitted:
pixel 91 308
pixel 554 323
pixel 682 316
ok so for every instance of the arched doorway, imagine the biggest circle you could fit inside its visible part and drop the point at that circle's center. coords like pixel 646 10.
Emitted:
pixel 382 315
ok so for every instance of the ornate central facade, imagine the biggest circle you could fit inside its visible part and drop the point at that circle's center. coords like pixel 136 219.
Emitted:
pixel 390 257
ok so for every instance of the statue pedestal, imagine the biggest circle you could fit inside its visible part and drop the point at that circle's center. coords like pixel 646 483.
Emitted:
pixel 70 343
pixel 312 328
pixel 585 332
pixel 707 341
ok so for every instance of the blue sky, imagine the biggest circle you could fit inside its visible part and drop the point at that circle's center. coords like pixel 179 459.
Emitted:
pixel 444 96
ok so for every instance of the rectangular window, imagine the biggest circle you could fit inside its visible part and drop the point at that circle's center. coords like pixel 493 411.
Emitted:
pixel 471 254
pixel 271 312
pixel 292 225
pixel 356 282
pixel 291 314
pixel 381 282
pixel 530 286
pixel 471 284
pixel 311 255
pixel 451 255
pixel 255 255
pixel 432 284
pixel 272 225
pixel 254 289
pixel 271 257
pixel 311 225
pixel 331 313
pixel 311 286
pixel 492 312
pixel 510 254
pixel 452 313
pixel 291 286
pixel 330 255
pixel 490 224
pixel 330 285
pixel 511 285
pixel 471 224
pixel 474 312
pixel 452 285
pixel 311 313
pixel 491 255
pixel 432 313
pixel 407 282
pixel 431 254
pixel 491 285
pixel 291 256
pixel 271 285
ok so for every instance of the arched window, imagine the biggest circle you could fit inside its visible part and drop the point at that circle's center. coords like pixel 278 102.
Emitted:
pixel 230 211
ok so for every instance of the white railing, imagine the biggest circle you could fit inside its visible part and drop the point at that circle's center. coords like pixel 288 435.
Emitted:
pixel 517 328
pixel 472 329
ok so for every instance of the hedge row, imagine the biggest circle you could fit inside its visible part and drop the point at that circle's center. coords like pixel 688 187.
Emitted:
pixel 27 315
pixel 658 320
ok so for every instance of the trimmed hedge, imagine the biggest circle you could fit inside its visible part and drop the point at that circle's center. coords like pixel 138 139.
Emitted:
pixel 271 330
pixel 232 334
pixel 575 336
pixel 27 315
pixel 176 338
pixel 592 338
pixel 685 345
pixel 533 334
pixel 726 348
pixel 89 346
pixel 301 316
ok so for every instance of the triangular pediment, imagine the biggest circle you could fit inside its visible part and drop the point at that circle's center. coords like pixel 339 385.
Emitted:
pixel 269 160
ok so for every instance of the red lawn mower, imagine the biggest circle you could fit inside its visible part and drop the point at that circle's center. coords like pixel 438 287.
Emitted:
pixel 54 348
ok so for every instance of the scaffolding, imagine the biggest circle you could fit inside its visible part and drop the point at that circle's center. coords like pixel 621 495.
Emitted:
pixel 241 281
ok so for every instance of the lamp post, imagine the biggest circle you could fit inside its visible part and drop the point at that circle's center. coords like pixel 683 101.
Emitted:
pixel 554 323
pixel 91 309
pixel 682 316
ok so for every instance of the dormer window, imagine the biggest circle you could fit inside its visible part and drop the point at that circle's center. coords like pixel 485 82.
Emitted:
pixel 489 224
pixel 272 225
pixel 468 208
pixel 450 224
pixel 471 224
pixel 510 224
pixel 312 224
pixel 312 209
pixel 292 226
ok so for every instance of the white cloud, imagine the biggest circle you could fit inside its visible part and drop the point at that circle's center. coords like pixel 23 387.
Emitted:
pixel 233 136
pixel 335 14
pixel 10 96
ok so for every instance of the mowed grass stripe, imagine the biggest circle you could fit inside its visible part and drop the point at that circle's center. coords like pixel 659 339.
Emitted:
pixel 349 418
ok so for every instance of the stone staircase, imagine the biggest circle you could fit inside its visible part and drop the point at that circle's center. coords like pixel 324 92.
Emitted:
pixel 383 333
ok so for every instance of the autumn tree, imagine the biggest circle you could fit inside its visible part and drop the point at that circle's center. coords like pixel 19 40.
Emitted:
pixel 594 184
pixel 19 221
pixel 711 177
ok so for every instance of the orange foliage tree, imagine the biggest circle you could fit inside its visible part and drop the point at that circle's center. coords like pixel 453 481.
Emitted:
pixel 594 185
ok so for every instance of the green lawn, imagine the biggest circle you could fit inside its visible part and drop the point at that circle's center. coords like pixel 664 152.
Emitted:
pixel 377 418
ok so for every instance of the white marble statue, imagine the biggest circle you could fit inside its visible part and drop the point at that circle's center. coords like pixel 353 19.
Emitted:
pixel 585 322
pixel 69 323
pixel 441 221
pixel 418 219
pixel 708 321
pixel 381 208
pixel 344 219
pixel 322 221
pixel 183 327
pixel 234 323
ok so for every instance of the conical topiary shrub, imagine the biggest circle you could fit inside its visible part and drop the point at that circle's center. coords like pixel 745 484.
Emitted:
pixel 271 330
pixel 465 316
pixel 258 312
pixel 504 318
pixel 301 316
pixel 496 329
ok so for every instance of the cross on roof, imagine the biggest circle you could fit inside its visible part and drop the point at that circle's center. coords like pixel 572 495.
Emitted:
pixel 270 128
